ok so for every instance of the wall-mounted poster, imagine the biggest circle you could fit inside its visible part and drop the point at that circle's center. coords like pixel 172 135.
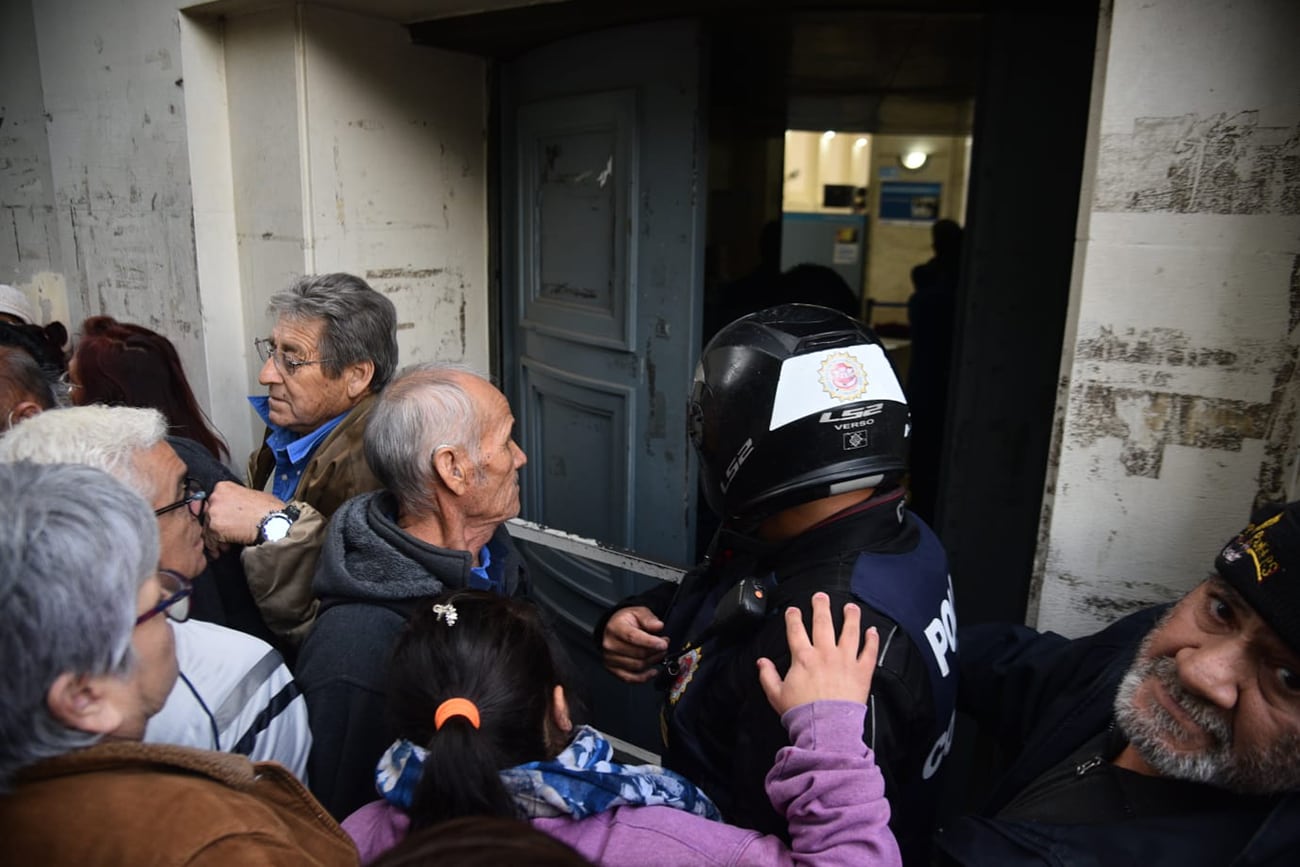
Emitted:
pixel 909 201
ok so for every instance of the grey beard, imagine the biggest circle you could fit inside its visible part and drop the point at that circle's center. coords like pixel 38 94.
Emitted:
pixel 1275 768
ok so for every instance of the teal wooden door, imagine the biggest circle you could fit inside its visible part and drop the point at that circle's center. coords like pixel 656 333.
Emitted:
pixel 602 252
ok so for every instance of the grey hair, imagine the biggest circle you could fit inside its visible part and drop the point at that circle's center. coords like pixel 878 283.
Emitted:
pixel 22 376
pixel 425 406
pixel 360 324
pixel 75 547
pixel 108 438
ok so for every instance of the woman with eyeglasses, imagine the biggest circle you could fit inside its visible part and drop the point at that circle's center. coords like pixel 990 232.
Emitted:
pixel 89 658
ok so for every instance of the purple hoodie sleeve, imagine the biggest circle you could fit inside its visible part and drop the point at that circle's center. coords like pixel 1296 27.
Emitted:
pixel 829 789
pixel 827 785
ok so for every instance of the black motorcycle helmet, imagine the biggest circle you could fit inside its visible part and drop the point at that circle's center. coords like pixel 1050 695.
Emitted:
pixel 792 404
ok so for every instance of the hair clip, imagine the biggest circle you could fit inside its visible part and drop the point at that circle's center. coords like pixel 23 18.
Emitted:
pixel 446 613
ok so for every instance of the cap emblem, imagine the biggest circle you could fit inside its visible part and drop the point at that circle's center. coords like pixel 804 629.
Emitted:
pixel 842 376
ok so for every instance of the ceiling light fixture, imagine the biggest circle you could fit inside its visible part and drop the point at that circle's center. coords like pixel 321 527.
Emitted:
pixel 913 159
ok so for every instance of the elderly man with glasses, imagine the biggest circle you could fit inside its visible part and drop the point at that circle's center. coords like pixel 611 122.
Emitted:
pixel 235 693
pixel 332 349
pixel 80 600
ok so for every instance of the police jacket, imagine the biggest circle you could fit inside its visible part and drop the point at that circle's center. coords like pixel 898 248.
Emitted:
pixel 720 731
pixel 1042 697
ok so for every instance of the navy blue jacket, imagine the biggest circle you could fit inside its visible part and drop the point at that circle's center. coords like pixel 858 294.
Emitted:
pixel 721 733
pixel 1043 696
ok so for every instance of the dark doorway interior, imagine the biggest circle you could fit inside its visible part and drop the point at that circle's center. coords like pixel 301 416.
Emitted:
pixel 882 67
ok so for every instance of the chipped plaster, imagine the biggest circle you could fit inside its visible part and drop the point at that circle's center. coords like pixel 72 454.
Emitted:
pixel 1178 405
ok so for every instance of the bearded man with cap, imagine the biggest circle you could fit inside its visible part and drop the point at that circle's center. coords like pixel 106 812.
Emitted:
pixel 801 429
pixel 1171 737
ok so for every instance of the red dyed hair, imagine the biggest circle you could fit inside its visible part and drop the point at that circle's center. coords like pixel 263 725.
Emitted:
pixel 121 364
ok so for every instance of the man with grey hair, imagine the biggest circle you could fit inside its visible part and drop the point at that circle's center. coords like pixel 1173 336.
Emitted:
pixel 440 439
pixel 234 693
pixel 332 349
pixel 25 387
pixel 85 636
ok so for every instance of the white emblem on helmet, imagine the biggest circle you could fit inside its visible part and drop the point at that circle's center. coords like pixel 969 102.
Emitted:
pixel 842 376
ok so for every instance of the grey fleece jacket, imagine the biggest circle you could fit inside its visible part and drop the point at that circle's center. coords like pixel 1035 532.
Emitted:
pixel 370 577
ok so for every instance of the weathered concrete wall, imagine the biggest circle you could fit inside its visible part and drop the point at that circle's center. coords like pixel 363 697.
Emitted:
pixel 115 103
pixel 353 150
pixel 396 181
pixel 29 238
pixel 326 141
pixel 1180 393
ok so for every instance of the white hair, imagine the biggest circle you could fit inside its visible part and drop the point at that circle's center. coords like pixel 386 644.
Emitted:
pixel 108 438
pixel 75 547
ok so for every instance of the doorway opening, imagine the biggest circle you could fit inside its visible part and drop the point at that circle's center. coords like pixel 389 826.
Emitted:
pixel 1007 95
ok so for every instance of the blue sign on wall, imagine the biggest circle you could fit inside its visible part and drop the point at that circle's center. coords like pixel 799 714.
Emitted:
pixel 909 201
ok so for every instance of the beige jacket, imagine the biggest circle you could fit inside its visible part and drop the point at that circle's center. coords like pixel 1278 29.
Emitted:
pixel 280 573
pixel 128 803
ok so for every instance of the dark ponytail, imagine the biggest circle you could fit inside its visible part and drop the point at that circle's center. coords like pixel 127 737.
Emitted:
pixel 497 656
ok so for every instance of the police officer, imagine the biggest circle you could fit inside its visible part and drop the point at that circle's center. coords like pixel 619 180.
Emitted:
pixel 801 429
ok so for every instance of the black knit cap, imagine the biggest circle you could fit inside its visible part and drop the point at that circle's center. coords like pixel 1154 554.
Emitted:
pixel 1262 563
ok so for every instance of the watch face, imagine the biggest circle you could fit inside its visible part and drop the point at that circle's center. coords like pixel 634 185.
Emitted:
pixel 276 527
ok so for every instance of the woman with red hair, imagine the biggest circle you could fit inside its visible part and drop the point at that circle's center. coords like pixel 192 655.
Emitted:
pixel 121 364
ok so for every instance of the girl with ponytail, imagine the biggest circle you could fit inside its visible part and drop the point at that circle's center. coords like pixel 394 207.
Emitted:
pixel 484 730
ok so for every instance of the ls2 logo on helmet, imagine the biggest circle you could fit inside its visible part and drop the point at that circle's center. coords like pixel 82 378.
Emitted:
pixel 746 449
pixel 851 417
pixel 842 377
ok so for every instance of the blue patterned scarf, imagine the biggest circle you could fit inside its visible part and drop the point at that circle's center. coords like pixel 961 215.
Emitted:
pixel 581 781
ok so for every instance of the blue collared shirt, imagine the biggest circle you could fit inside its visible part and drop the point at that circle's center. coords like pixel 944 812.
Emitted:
pixel 291 450
pixel 481 578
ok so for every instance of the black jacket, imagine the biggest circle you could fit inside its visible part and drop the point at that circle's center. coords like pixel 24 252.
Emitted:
pixel 720 731
pixel 1043 697
pixel 370 577
pixel 221 593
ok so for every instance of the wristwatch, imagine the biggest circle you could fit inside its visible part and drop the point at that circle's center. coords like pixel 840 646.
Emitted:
pixel 275 526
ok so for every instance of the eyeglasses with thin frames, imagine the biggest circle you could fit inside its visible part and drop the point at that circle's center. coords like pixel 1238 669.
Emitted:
pixel 65 382
pixel 286 364
pixel 194 493
pixel 176 601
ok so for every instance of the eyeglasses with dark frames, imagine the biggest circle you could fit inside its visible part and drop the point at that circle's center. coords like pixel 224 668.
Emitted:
pixel 194 493
pixel 286 364
pixel 176 600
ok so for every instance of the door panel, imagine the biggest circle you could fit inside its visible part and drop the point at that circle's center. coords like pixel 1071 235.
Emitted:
pixel 582 427
pixel 602 249
pixel 574 232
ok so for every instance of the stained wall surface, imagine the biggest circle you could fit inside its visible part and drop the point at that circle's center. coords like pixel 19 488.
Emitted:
pixel 1179 386
pixel 180 191
pixel 350 149
pixel 29 239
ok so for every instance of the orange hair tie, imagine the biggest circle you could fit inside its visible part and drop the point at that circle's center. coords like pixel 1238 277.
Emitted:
pixel 455 707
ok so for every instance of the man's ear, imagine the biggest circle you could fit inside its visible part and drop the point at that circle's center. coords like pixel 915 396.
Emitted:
pixel 451 469
pixel 560 710
pixel 23 409
pixel 358 377
pixel 84 703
